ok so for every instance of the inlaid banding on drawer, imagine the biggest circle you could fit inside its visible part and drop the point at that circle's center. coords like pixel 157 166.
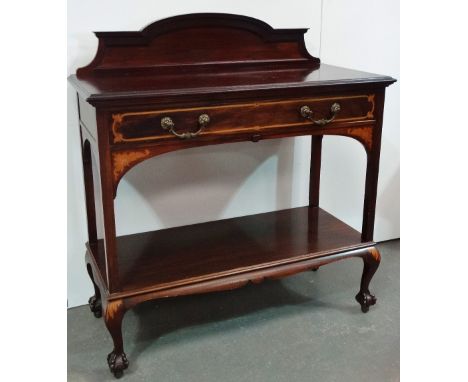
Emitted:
pixel 225 119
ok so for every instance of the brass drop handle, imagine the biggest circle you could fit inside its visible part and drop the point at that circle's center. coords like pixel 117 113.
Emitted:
pixel 307 113
pixel 168 124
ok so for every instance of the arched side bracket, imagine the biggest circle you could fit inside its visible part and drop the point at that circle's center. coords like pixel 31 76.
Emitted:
pixel 364 135
pixel 124 160
pixel 369 137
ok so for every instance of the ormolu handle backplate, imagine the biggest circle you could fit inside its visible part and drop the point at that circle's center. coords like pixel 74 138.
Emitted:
pixel 306 112
pixel 168 124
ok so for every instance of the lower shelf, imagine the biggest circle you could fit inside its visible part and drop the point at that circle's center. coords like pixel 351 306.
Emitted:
pixel 201 252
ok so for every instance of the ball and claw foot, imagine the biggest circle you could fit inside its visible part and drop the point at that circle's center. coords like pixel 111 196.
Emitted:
pixel 366 300
pixel 117 363
pixel 95 306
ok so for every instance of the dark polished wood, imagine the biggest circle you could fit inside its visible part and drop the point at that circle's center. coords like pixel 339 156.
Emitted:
pixel 145 126
pixel 315 166
pixel 204 79
pixel 223 86
pixel 94 301
pixel 167 258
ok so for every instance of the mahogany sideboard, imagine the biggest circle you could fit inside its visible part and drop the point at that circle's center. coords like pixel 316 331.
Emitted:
pixel 205 79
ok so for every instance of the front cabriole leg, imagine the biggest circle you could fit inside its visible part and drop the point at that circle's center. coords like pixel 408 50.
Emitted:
pixel 371 262
pixel 117 359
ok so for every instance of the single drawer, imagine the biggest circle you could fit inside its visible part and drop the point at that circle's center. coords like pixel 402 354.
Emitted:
pixel 191 123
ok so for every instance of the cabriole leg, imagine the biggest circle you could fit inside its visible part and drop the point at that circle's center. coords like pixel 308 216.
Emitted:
pixel 94 301
pixel 117 359
pixel 371 263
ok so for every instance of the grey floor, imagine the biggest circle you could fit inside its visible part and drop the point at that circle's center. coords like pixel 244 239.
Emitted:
pixel 306 327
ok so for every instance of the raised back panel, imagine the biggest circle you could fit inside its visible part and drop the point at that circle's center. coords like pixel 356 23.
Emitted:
pixel 199 42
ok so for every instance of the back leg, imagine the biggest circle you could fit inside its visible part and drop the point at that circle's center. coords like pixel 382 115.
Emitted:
pixel 94 301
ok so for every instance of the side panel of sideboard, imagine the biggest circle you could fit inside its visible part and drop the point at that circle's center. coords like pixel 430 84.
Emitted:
pixel 96 200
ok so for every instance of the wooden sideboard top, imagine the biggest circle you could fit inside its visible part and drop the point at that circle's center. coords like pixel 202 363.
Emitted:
pixel 220 55
pixel 129 88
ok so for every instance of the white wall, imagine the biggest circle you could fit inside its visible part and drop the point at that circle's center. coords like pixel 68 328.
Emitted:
pixel 237 179
pixel 364 35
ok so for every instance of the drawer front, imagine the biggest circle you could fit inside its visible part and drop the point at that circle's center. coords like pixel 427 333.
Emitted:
pixel 237 118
